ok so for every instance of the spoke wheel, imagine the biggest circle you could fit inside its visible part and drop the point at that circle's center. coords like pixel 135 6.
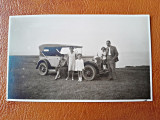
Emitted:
pixel 89 73
pixel 43 69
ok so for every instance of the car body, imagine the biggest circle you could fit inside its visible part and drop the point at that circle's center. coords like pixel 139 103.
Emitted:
pixel 49 56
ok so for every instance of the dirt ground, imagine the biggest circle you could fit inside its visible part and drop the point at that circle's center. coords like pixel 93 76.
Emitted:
pixel 26 83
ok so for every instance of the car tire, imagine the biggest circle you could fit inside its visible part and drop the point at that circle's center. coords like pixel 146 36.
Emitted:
pixel 43 68
pixel 89 73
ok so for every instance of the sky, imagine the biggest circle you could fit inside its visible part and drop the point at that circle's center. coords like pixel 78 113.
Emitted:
pixel 129 33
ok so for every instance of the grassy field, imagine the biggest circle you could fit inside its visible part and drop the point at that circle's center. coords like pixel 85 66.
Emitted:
pixel 26 83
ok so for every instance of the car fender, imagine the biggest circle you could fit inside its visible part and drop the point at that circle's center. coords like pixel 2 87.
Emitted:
pixel 93 64
pixel 45 61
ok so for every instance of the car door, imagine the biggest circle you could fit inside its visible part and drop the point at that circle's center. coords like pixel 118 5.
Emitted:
pixel 53 60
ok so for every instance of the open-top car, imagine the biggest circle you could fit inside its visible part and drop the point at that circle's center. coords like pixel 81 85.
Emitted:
pixel 50 55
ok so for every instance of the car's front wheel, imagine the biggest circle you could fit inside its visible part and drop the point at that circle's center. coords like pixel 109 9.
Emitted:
pixel 89 73
pixel 43 69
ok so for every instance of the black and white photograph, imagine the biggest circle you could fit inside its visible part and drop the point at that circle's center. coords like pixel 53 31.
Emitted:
pixel 79 58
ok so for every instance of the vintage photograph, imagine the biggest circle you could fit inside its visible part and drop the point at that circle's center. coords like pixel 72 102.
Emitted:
pixel 79 58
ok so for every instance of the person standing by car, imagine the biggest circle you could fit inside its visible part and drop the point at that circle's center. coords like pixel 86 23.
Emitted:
pixel 112 58
pixel 61 65
pixel 104 58
pixel 71 62
pixel 79 66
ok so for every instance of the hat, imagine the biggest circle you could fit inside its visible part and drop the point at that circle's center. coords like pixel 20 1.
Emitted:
pixel 79 54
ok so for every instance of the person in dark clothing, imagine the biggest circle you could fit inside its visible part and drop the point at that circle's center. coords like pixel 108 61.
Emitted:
pixel 112 58
pixel 62 63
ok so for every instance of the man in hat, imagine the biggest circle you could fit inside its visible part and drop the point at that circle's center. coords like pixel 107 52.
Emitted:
pixel 112 58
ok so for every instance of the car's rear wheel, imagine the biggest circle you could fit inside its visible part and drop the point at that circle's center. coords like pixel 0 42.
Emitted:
pixel 43 69
pixel 89 73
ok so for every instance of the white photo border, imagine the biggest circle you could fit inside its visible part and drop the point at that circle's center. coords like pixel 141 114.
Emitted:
pixel 49 100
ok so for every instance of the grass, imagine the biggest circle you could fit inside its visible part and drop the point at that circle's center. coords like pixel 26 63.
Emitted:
pixel 26 83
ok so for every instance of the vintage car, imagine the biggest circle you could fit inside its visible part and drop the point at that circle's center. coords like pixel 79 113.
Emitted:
pixel 50 55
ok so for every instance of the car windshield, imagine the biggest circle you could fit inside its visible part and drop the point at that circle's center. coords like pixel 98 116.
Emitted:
pixel 66 50
pixel 57 51
pixel 51 51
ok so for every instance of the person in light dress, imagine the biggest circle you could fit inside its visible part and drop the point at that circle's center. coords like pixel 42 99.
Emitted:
pixel 104 58
pixel 79 66
pixel 71 62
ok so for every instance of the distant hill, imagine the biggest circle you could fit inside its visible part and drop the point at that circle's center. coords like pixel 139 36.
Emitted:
pixel 138 67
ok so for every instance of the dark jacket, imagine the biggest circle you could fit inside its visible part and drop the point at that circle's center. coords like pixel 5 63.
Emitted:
pixel 114 53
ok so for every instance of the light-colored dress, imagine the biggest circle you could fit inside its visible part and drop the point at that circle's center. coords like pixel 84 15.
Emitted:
pixel 79 65
pixel 104 55
pixel 72 61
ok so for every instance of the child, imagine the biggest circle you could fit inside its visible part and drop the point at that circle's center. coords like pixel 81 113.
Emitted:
pixel 62 63
pixel 104 58
pixel 79 66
